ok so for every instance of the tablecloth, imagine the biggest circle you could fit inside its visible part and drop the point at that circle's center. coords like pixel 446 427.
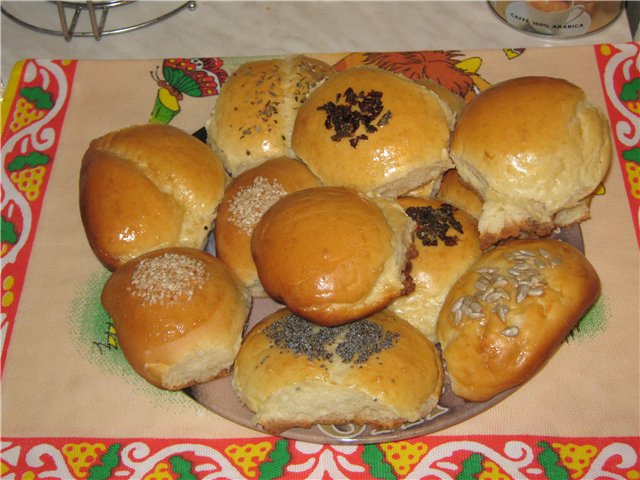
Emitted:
pixel 72 407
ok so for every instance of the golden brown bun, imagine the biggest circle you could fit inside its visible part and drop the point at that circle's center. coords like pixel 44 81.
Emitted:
pixel 254 114
pixel 535 149
pixel 332 254
pixel 179 314
pixel 147 187
pixel 485 354
pixel 455 102
pixel 452 189
pixel 379 371
pixel 247 197
pixel 447 243
pixel 404 148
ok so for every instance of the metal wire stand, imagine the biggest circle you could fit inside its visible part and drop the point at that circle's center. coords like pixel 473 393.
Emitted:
pixel 68 30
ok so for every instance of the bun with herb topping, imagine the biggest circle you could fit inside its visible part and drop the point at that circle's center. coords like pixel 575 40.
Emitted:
pixel 374 131
pixel 147 187
pixel 247 197
pixel 447 243
pixel 505 317
pixel 535 149
pixel 379 371
pixel 179 314
pixel 254 114
pixel 332 254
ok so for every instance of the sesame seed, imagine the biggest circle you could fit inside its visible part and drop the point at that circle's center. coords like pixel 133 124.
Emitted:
pixel 168 277
pixel 251 202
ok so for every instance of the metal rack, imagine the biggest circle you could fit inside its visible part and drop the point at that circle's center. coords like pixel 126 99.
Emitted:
pixel 97 11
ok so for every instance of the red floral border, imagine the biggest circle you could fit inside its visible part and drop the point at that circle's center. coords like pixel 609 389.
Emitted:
pixel 435 457
pixel 32 123
pixel 620 76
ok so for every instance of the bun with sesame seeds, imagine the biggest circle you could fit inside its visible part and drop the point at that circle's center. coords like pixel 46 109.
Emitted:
pixel 504 318
pixel 332 254
pixel 246 199
pixel 147 187
pixel 179 315
pixel 253 117
pixel 379 371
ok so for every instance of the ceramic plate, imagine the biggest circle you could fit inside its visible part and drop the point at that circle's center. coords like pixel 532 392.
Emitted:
pixel 220 397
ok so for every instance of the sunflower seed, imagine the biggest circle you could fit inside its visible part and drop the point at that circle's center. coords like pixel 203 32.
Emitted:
pixel 510 331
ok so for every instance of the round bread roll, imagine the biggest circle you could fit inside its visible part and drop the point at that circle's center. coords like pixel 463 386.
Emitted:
pixel 374 131
pixel 379 371
pixel 147 187
pixel 447 243
pixel 179 314
pixel 247 197
pixel 332 254
pixel 254 114
pixel 535 149
pixel 505 317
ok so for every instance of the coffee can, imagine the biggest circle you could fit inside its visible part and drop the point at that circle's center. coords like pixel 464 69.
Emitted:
pixel 557 18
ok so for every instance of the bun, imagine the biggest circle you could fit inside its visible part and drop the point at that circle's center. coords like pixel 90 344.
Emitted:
pixel 486 354
pixel 452 189
pixel 374 131
pixel 254 114
pixel 332 254
pixel 447 243
pixel 147 187
pixel 179 315
pixel 379 371
pixel 247 197
pixel 539 159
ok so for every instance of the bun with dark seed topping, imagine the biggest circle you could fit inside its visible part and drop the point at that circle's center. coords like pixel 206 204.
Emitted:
pixel 379 371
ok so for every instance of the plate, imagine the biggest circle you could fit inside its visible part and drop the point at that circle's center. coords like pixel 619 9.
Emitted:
pixel 220 397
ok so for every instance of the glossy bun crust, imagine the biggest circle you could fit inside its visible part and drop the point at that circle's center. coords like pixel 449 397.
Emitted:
pixel 147 187
pixel 179 315
pixel 505 317
pixel 535 149
pixel 254 114
pixel 446 243
pixel 331 254
pixel 380 371
pixel 246 199
pixel 374 131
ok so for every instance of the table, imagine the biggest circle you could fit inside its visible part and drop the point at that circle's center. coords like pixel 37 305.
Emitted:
pixel 71 408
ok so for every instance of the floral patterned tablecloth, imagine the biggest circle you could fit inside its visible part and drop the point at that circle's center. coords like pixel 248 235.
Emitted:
pixel 72 408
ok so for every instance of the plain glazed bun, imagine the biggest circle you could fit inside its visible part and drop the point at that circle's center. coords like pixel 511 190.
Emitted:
pixel 379 371
pixel 179 315
pixel 247 197
pixel 505 317
pixel 535 149
pixel 254 114
pixel 374 131
pixel 332 254
pixel 147 187
pixel 447 243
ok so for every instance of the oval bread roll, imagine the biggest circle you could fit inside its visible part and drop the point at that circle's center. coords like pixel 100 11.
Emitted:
pixel 332 254
pixel 447 243
pixel 374 131
pixel 254 114
pixel 247 197
pixel 504 318
pixel 379 370
pixel 147 187
pixel 537 161
pixel 179 315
